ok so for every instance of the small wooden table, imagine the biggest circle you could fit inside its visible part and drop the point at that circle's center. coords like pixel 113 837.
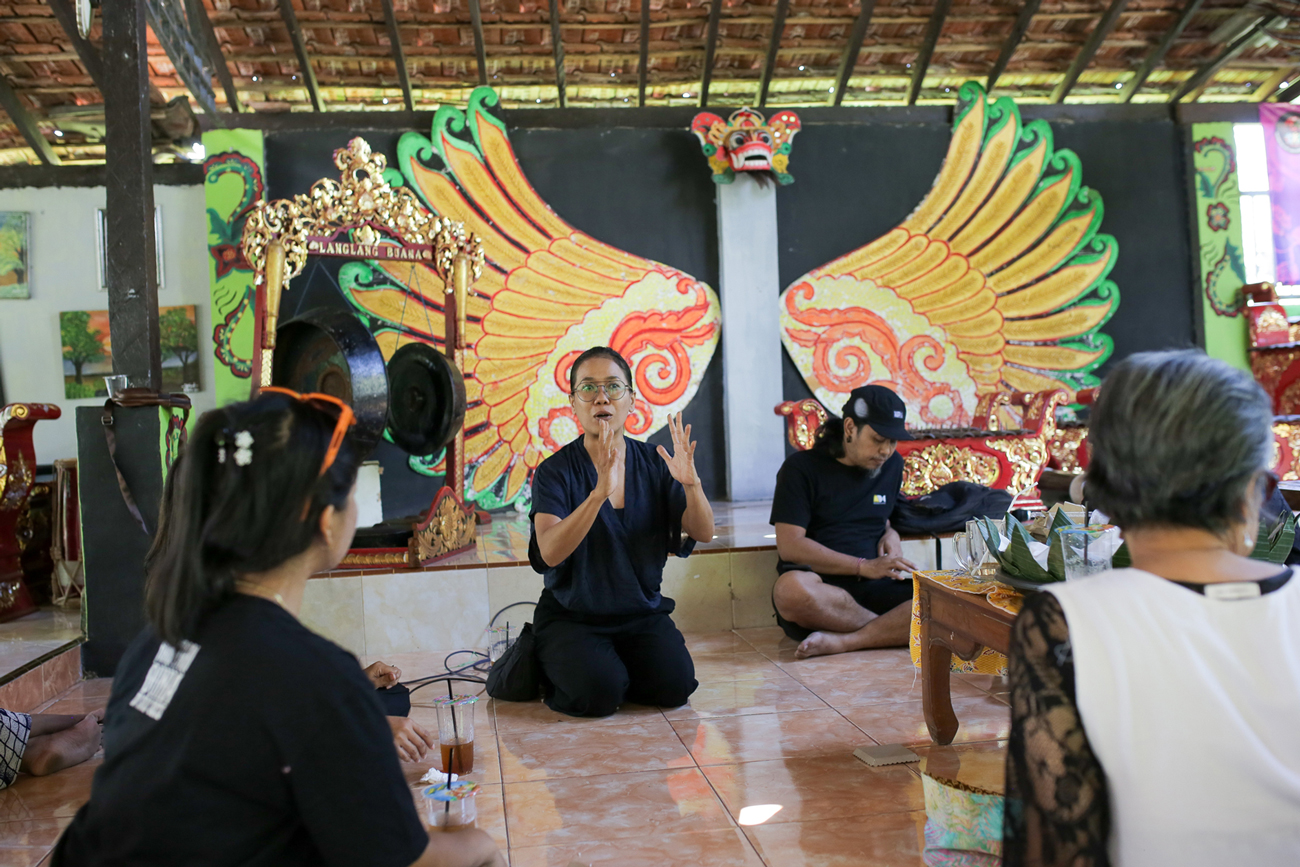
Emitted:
pixel 958 623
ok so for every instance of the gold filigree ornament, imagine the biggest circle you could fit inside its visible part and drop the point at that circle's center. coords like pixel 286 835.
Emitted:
pixel 451 529
pixel 360 200
pixel 1064 448
pixel 1270 321
pixel 1027 458
pixel 930 468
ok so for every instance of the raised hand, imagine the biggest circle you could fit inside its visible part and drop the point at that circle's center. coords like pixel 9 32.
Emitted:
pixel 609 462
pixel 681 464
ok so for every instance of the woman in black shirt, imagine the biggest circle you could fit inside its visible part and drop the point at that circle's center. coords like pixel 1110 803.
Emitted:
pixel 234 735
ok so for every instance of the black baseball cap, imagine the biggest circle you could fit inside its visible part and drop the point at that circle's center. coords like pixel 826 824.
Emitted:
pixel 879 407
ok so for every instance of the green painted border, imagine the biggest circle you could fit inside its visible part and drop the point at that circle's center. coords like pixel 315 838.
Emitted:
pixel 1221 273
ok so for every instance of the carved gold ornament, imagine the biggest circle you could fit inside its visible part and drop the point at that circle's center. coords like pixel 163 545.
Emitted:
pixel 1270 321
pixel 1027 458
pixel 395 559
pixel 1064 448
pixel 361 200
pixel 450 529
pixel 930 468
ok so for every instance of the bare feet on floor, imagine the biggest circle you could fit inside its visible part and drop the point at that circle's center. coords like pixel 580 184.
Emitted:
pixel 824 644
pixel 48 753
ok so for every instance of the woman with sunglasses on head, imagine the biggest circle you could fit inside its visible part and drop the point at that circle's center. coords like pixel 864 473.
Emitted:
pixel 1153 709
pixel 234 735
pixel 607 512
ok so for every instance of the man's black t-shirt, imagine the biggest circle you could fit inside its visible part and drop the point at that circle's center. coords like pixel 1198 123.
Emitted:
pixel 271 750
pixel 839 506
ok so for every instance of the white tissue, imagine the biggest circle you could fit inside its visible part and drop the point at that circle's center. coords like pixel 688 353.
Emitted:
pixel 433 775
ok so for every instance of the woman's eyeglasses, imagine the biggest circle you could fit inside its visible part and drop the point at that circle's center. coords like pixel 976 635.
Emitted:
pixel 588 390
pixel 329 404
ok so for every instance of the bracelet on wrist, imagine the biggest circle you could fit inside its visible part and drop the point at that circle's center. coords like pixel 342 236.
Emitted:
pixel 857 570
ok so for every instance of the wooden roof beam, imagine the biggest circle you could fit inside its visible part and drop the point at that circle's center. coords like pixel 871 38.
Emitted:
pixel 173 33
pixel 1157 55
pixel 300 48
pixel 26 124
pixel 557 49
pixel 1081 60
pixel 1013 39
pixel 1290 92
pixel 399 54
pixel 643 64
pixel 710 48
pixel 922 62
pixel 87 53
pixel 1203 75
pixel 201 27
pixel 849 59
pixel 480 52
pixel 773 43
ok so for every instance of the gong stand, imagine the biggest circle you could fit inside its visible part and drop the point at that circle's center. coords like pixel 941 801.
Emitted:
pixel 361 216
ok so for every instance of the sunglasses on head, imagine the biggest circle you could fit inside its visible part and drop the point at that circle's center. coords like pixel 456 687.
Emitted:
pixel 344 418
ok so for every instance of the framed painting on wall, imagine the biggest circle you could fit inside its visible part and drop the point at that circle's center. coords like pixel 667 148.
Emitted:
pixel 88 351
pixel 101 237
pixel 15 242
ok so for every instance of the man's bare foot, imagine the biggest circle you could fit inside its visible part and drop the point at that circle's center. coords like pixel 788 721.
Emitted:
pixel 46 754
pixel 824 644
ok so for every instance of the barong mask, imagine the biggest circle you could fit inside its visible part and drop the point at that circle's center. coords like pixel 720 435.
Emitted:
pixel 745 142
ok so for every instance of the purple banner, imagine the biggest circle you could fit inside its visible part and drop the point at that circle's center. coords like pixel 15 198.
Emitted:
pixel 1282 145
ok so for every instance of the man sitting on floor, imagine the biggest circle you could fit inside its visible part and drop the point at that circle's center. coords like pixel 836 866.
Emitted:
pixel 843 581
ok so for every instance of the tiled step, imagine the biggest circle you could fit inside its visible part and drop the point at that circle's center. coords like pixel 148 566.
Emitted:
pixel 27 688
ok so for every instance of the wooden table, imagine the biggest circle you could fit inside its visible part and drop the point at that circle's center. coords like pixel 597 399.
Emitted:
pixel 958 623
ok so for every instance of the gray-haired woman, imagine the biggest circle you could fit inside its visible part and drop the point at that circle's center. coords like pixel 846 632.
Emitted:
pixel 1154 709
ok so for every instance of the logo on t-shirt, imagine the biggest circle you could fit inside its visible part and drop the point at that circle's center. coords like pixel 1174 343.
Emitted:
pixel 877 499
pixel 163 679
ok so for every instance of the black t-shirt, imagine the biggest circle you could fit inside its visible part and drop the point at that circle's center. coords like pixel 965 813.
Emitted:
pixel 272 750
pixel 839 506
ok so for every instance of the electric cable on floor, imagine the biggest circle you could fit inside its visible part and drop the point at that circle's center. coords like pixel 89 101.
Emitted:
pixel 481 665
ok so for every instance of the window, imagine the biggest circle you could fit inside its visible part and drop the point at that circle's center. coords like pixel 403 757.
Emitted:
pixel 1256 212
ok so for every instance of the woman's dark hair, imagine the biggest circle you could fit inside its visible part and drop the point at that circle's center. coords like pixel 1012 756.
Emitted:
pixel 830 437
pixel 598 352
pixel 220 520
pixel 1175 440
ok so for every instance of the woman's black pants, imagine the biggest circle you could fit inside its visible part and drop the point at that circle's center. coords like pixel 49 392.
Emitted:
pixel 591 668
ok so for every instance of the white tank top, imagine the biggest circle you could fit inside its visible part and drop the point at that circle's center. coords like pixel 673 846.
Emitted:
pixel 1192 706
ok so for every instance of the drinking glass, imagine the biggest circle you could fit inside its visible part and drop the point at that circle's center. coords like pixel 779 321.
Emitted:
pixel 1086 551
pixel 970 549
pixel 451 807
pixel 500 640
pixel 115 385
pixel 456 732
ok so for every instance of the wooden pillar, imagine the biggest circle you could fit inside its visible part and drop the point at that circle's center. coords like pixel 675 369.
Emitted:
pixel 130 267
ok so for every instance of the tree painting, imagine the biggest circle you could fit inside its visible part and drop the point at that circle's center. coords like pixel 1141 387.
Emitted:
pixel 88 350
pixel 83 344
pixel 179 340
pixel 13 255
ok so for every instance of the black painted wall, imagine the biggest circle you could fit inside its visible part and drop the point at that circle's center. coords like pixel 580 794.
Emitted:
pixel 647 190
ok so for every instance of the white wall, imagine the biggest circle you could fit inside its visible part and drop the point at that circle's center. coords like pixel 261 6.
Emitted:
pixel 63 273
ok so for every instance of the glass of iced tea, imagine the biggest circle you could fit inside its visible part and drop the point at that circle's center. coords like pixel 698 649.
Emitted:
pixel 451 807
pixel 456 733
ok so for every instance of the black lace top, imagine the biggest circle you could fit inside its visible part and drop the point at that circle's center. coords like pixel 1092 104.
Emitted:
pixel 1057 807
pixel 1056 803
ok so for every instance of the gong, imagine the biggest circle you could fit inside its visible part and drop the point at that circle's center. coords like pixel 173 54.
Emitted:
pixel 332 352
pixel 426 405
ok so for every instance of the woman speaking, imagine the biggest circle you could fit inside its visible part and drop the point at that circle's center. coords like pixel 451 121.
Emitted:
pixel 607 512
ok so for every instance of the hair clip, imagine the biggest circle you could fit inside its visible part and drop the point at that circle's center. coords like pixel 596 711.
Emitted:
pixel 243 448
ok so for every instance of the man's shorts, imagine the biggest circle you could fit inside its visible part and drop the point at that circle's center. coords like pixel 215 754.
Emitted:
pixel 877 595
pixel 15 728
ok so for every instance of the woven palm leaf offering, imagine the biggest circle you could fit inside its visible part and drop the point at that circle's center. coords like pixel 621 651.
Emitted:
pixel 1026 563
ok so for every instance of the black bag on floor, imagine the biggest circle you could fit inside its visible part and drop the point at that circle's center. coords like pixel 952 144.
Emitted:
pixel 517 675
pixel 948 509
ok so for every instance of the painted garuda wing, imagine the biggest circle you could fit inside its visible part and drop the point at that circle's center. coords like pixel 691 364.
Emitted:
pixel 997 281
pixel 547 293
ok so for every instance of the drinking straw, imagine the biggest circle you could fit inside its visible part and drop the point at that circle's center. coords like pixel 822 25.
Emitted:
pixel 451 755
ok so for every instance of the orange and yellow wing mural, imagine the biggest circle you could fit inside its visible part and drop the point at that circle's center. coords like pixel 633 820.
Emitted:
pixel 547 293
pixel 997 281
